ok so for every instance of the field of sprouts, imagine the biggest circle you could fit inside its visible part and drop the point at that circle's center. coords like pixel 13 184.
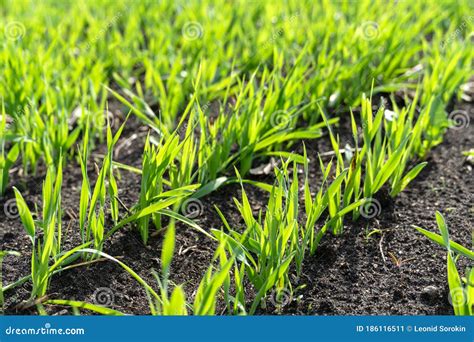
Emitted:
pixel 289 157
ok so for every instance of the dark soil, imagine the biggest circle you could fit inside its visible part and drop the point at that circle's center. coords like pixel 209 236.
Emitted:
pixel 395 271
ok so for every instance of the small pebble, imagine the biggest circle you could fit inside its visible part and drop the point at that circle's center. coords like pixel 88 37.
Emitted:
pixel 61 313
pixel 430 290
pixel 429 293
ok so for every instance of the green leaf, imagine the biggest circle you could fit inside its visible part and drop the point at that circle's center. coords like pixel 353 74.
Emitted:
pixel 168 248
pixel 205 303
pixel 456 290
pixel 86 306
pixel 389 167
pixel 177 304
pixel 455 247
pixel 443 229
pixel 285 155
pixel 25 215
pixel 261 185
pixel 12 156
pixel 407 179
pixel 210 187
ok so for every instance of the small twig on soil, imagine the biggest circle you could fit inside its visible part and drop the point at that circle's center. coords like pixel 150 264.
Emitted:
pixel 123 204
pixel 381 249
pixel 183 252
pixel 126 143
pixel 97 170
pixel 332 153
pixel 30 303
pixel 399 262
pixel 159 232
pixel 72 215
pixel 69 225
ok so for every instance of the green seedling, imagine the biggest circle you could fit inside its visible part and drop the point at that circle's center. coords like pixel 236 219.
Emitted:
pixel 7 159
pixel 461 290
pixel 48 247
pixel 104 196
pixel 269 245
